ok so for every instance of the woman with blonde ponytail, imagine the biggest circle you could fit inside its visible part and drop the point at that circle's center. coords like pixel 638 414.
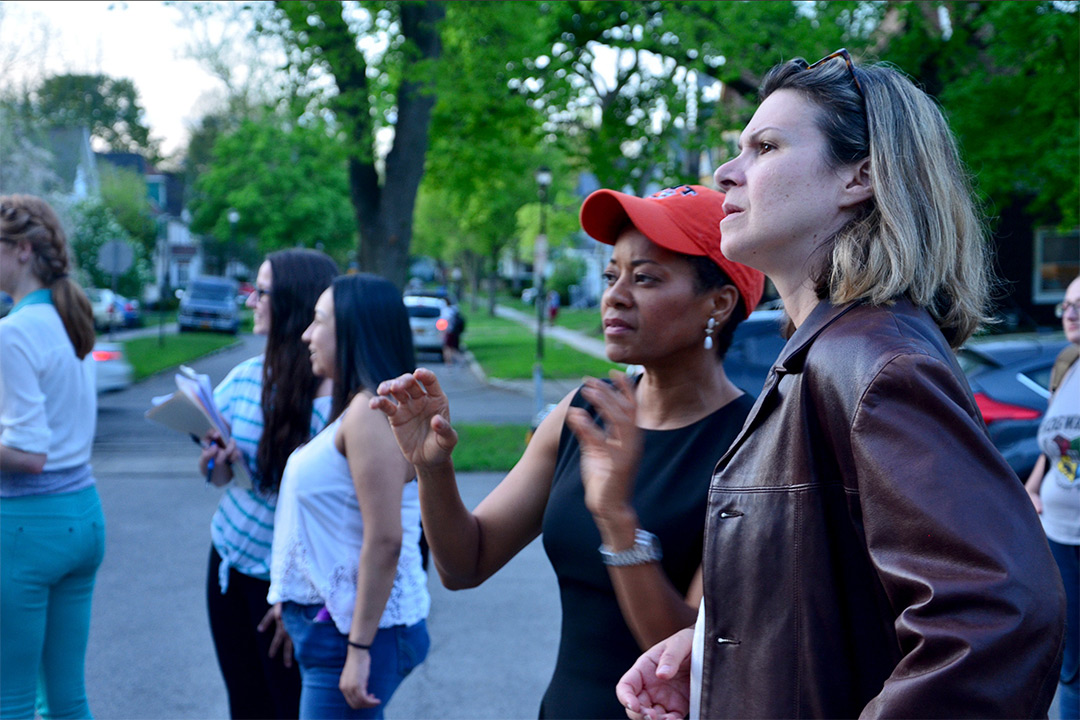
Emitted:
pixel 52 531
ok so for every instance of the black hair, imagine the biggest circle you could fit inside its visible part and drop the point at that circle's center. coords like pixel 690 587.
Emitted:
pixel 288 391
pixel 372 334
pixel 709 276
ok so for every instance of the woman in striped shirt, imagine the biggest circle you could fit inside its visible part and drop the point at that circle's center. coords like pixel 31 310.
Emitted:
pixel 273 404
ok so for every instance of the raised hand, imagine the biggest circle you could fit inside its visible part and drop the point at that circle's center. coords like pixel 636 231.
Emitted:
pixel 657 687
pixel 609 455
pixel 419 415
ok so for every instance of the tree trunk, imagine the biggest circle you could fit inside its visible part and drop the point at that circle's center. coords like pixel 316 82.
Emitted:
pixel 493 280
pixel 384 214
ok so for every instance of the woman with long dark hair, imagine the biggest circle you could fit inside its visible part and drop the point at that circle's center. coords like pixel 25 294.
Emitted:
pixel 868 552
pixel 273 404
pixel 53 530
pixel 346 573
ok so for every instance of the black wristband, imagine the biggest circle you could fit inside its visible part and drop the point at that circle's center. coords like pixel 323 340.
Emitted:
pixel 359 646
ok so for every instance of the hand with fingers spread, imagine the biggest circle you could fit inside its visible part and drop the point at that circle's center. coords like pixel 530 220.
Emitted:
pixel 281 639
pixel 657 687
pixel 609 454
pixel 419 415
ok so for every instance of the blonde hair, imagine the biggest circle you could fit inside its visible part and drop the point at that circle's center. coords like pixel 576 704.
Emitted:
pixel 31 219
pixel 920 236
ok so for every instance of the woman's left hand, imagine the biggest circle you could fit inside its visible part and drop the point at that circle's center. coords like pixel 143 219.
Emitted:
pixel 609 455
pixel 354 679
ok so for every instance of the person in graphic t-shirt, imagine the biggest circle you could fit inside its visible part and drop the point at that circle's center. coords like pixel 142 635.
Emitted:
pixel 1055 492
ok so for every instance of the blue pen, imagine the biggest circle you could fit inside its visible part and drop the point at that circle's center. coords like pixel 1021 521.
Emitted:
pixel 209 470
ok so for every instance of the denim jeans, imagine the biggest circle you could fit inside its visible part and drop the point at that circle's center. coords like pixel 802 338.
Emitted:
pixel 1068 562
pixel 320 651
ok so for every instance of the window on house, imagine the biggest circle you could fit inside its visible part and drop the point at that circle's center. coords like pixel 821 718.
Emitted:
pixel 1057 263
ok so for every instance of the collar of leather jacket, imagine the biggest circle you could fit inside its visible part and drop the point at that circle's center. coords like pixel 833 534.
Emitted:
pixel 793 355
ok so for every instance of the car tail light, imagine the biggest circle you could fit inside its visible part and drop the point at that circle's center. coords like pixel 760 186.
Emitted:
pixel 441 324
pixel 103 355
pixel 994 410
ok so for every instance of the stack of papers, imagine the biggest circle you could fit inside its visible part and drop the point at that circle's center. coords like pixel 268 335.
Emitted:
pixel 191 410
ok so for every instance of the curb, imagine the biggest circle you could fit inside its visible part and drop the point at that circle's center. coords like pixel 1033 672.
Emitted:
pixel 223 348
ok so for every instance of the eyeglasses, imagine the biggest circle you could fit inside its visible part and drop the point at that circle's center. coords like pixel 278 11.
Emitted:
pixel 1063 307
pixel 841 53
pixel 259 293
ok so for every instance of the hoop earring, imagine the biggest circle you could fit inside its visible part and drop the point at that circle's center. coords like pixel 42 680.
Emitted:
pixel 709 327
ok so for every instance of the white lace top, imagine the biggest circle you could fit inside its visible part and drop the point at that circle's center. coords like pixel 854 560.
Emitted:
pixel 318 532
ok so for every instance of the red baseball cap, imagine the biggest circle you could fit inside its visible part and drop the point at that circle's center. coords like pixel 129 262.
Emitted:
pixel 684 219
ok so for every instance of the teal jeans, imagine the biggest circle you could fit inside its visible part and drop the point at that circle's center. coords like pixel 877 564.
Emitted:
pixel 50 550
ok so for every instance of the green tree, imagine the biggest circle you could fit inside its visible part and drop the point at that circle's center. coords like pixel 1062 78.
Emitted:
pixel 486 140
pixel 634 88
pixel 109 107
pixel 93 225
pixel 286 180
pixel 123 191
pixel 1008 76
pixel 26 166
pixel 375 92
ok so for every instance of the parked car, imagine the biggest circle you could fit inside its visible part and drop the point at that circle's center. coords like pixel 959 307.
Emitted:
pixel 111 365
pixel 209 303
pixel 439 293
pixel 106 308
pixel 1010 377
pixel 129 312
pixel 246 289
pixel 429 318
pixel 754 348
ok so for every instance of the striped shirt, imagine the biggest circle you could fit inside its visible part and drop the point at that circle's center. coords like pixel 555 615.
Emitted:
pixel 242 529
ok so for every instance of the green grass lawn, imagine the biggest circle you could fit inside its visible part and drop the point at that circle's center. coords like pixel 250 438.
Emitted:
pixel 485 447
pixel 506 349
pixel 148 357
pixel 583 320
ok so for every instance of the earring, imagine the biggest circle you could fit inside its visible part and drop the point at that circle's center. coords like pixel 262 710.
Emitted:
pixel 709 327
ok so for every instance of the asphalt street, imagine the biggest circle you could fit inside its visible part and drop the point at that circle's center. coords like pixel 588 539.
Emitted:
pixel 150 652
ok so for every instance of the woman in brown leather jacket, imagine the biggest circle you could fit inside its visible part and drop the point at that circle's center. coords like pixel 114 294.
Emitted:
pixel 868 552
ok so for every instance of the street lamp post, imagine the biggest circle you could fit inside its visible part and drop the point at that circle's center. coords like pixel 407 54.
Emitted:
pixel 543 182
pixel 234 218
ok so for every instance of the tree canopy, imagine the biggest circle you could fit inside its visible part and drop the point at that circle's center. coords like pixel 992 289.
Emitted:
pixel 287 182
pixel 108 106
pixel 638 94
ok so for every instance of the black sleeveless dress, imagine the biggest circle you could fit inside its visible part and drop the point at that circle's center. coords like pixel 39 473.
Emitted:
pixel 670 495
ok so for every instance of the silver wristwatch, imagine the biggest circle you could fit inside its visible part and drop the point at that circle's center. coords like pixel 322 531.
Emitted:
pixel 646 549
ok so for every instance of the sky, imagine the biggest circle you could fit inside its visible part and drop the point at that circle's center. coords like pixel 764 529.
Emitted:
pixel 137 40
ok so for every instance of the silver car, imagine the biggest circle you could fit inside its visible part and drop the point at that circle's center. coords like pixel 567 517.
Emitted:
pixel 429 318
pixel 111 366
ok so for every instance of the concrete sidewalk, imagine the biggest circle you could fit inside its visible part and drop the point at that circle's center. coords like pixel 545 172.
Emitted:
pixel 553 389
pixel 150 329
pixel 578 341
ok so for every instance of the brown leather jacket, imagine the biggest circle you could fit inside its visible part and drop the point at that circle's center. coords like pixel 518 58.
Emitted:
pixel 868 551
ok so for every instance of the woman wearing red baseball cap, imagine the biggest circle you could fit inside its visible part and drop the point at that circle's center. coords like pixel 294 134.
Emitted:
pixel 616 476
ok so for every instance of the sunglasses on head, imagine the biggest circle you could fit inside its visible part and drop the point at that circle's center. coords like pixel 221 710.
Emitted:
pixel 841 53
